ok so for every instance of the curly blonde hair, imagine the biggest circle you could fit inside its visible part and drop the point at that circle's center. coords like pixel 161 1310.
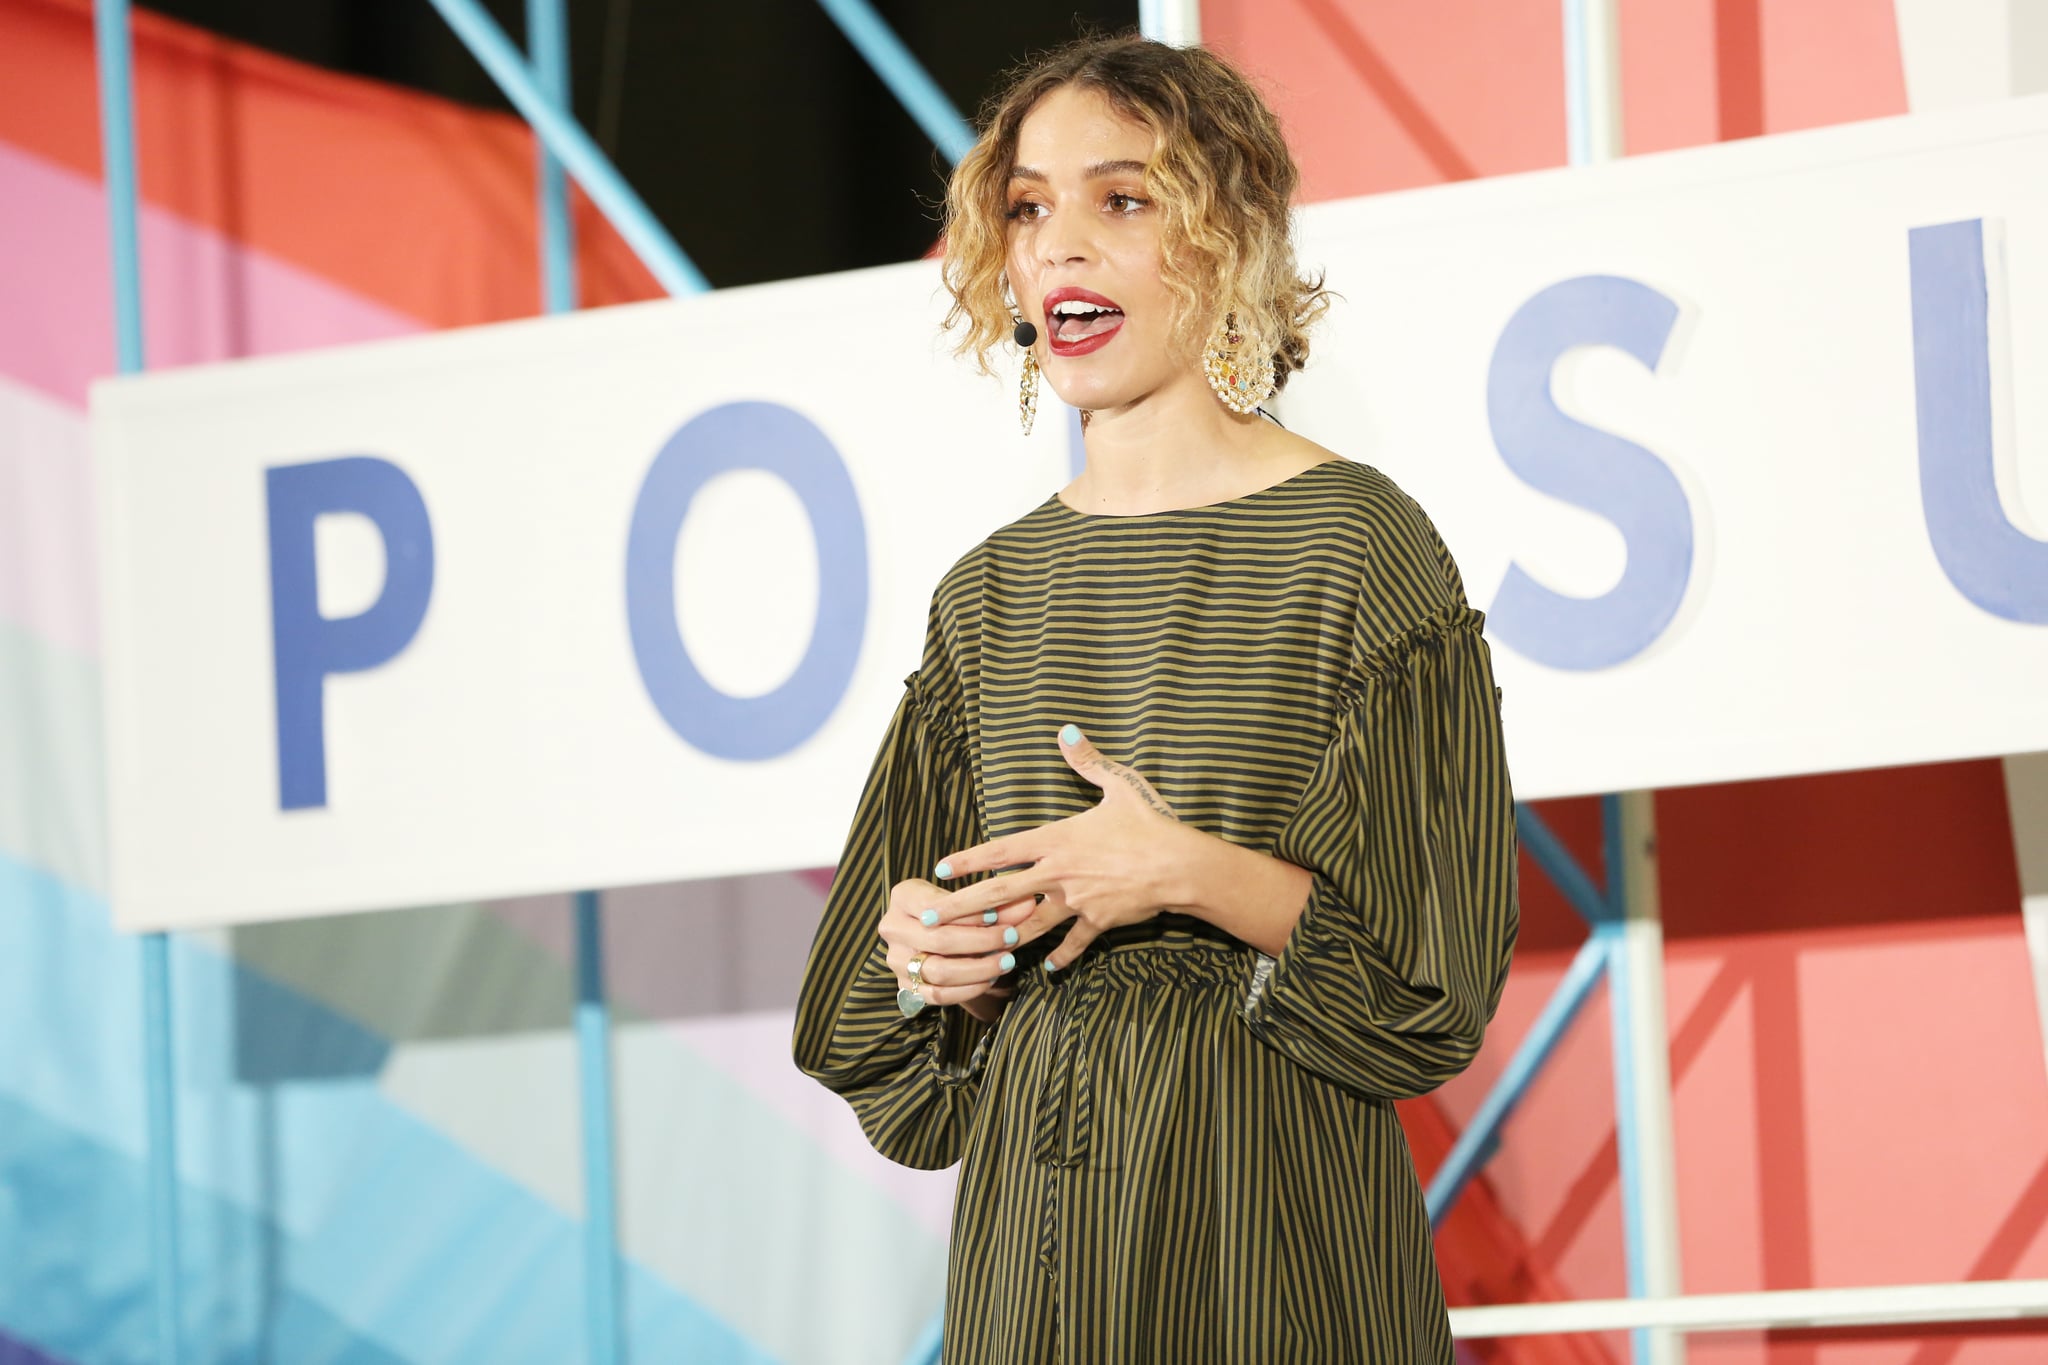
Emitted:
pixel 1220 174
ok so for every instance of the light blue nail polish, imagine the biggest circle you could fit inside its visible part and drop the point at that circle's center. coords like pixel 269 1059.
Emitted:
pixel 1070 735
pixel 1008 962
pixel 988 917
pixel 1049 968
pixel 930 917
pixel 944 872
pixel 1009 938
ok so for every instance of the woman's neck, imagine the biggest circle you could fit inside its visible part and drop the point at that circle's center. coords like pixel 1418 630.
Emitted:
pixel 1180 447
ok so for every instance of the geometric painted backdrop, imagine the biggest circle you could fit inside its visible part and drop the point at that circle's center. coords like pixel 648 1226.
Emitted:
pixel 378 1136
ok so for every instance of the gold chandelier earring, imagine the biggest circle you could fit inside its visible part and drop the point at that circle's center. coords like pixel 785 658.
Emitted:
pixel 1238 368
pixel 1024 334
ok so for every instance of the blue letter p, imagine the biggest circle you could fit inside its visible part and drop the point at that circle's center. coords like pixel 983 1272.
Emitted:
pixel 309 646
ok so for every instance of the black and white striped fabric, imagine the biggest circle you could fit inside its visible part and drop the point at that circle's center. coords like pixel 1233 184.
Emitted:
pixel 1180 1150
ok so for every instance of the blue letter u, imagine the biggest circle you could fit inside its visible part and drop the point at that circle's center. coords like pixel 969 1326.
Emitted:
pixel 1991 562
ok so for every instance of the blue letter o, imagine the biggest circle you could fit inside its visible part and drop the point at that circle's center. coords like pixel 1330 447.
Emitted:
pixel 782 442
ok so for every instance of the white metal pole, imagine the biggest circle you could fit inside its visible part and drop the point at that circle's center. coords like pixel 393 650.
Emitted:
pixel 1592 81
pixel 2026 799
pixel 1864 1306
pixel 1635 976
pixel 1171 21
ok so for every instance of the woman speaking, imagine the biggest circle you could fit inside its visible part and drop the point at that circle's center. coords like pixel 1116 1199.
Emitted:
pixel 1190 846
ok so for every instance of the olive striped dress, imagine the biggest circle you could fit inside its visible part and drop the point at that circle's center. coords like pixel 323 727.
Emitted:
pixel 1180 1149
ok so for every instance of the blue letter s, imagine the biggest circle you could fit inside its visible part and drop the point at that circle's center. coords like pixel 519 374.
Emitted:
pixel 1589 468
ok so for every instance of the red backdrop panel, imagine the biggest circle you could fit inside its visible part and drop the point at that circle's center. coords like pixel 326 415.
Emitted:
pixel 420 204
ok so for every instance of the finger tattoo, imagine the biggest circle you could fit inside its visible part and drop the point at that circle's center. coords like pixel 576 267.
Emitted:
pixel 1144 790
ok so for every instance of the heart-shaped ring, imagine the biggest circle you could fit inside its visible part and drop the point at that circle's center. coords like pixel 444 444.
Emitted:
pixel 910 999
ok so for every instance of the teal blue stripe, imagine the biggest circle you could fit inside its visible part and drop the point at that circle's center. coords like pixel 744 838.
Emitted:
pixel 72 1267
pixel 396 1233
pixel 68 992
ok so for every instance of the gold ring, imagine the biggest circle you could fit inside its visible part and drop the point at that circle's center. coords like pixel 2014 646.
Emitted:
pixel 915 969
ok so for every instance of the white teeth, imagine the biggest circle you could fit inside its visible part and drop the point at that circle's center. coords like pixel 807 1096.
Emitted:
pixel 1067 308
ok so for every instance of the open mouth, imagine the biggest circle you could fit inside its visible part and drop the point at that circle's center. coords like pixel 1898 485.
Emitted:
pixel 1079 321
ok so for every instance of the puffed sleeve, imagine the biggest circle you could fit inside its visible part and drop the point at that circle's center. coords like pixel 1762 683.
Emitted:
pixel 1389 978
pixel 912 1082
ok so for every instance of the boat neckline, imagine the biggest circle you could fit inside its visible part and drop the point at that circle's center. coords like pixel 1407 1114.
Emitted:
pixel 1060 506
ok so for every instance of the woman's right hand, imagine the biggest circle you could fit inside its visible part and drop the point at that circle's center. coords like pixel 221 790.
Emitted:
pixel 964 963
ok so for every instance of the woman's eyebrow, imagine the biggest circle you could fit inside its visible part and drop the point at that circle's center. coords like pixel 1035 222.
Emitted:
pixel 1098 171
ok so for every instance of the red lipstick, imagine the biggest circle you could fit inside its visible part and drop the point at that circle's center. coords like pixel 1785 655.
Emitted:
pixel 1088 324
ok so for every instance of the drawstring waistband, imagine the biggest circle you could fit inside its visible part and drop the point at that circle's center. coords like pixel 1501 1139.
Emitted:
pixel 1064 1125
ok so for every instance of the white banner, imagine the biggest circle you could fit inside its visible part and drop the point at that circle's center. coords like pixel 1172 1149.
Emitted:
pixel 425 620
pixel 1733 444
pixel 1728 442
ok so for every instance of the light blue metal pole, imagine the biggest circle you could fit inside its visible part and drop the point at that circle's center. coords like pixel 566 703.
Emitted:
pixel 594 1049
pixel 117 139
pixel 1482 1135
pixel 114 50
pixel 1481 1138
pixel 547 43
pixel 925 1350
pixel 912 85
pixel 117 151
pixel 164 1265
pixel 1562 868
pixel 579 155
pixel 1612 854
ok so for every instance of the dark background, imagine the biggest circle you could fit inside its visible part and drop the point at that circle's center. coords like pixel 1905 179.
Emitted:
pixel 753 129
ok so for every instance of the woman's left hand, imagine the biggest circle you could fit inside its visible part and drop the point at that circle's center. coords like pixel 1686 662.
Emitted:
pixel 1109 866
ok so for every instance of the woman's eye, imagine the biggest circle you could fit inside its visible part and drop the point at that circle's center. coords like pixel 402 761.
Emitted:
pixel 1119 202
pixel 1025 209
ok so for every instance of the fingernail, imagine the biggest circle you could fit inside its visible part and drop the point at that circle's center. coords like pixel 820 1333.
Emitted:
pixel 1009 938
pixel 1070 735
pixel 988 917
pixel 1049 968
pixel 944 872
pixel 930 917
pixel 1008 962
